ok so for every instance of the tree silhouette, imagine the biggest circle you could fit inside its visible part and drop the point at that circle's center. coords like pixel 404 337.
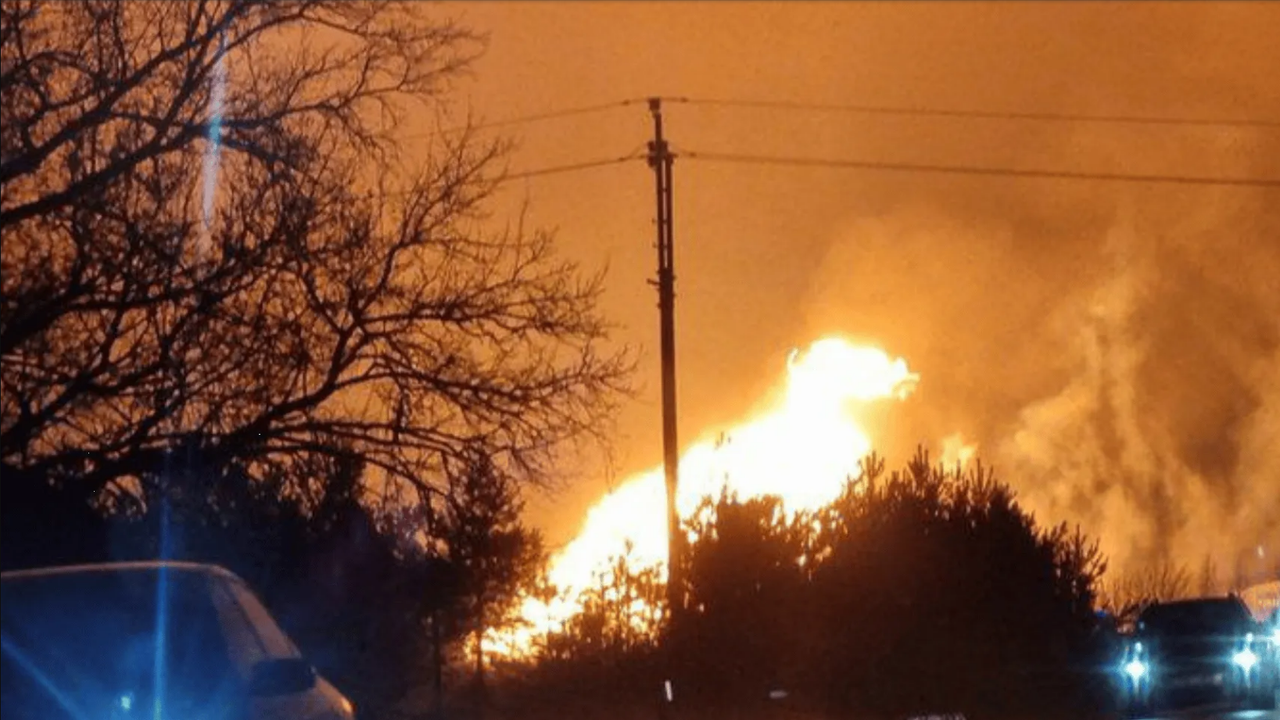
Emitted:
pixel 216 232
pixel 919 591
pixel 605 656
pixel 747 587
pixel 1126 597
pixel 491 554
pixel 922 590
pixel 621 613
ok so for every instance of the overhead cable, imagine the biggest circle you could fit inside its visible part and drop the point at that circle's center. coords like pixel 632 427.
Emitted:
pixel 979 170
pixel 867 109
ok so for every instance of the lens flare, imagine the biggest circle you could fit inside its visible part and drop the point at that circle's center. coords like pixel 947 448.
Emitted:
pixel 14 654
pixel 1246 659
pixel 213 149
pixel 159 667
pixel 802 449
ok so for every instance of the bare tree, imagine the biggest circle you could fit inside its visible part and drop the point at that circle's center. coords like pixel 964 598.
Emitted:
pixel 211 240
pixel 1127 596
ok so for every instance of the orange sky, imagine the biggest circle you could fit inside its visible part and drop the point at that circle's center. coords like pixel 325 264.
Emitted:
pixel 982 284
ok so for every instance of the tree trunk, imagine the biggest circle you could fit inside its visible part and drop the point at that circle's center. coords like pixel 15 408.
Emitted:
pixel 437 666
pixel 480 689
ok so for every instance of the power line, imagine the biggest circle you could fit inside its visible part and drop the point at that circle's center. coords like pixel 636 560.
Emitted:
pixel 536 117
pixel 557 169
pixel 864 109
pixel 972 170
pixel 980 114
pixel 553 114
pixel 537 172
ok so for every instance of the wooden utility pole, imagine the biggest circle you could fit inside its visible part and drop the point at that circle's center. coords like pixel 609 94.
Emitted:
pixel 660 159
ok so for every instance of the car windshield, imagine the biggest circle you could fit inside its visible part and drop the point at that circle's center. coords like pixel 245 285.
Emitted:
pixel 1193 617
pixel 93 640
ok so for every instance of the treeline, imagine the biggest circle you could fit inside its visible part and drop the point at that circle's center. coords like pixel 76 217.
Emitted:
pixel 921 590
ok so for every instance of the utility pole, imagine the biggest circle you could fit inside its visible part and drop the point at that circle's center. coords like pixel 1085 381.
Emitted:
pixel 660 160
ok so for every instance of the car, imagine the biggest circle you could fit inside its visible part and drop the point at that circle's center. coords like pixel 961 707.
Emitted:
pixel 164 640
pixel 1205 649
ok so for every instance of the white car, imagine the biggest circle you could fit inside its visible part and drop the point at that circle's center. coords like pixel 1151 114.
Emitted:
pixel 168 640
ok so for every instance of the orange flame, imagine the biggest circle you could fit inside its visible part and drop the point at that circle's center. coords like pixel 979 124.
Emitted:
pixel 802 450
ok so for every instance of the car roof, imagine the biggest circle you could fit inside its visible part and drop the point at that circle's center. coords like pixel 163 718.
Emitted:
pixel 1178 607
pixel 119 567
pixel 1189 602
pixel 1194 601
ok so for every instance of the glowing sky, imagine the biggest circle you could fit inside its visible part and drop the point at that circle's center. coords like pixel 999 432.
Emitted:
pixel 1054 321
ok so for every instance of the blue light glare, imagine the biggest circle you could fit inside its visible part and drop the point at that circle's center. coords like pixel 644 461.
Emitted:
pixel 162 601
pixel 126 702
pixel 1245 659
pixel 1135 669
pixel 213 150
pixel 14 654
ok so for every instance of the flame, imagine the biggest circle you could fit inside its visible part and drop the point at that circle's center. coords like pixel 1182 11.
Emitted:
pixel 957 452
pixel 801 449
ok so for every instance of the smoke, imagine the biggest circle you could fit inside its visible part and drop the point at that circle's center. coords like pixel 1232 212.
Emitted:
pixel 1163 441
pixel 1125 376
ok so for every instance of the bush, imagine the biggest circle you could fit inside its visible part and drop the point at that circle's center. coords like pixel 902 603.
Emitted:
pixel 924 590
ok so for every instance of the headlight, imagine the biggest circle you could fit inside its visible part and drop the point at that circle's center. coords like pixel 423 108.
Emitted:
pixel 123 707
pixel 1275 637
pixel 1134 666
pixel 1245 659
pixel 1135 669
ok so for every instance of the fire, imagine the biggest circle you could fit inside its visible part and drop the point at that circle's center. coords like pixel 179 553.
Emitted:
pixel 802 449
pixel 956 451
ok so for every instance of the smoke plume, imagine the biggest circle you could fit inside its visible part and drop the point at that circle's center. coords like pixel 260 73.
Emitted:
pixel 1126 377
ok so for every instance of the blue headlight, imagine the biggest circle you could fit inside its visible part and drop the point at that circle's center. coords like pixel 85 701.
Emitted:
pixel 1245 659
pixel 1135 669
pixel 124 705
